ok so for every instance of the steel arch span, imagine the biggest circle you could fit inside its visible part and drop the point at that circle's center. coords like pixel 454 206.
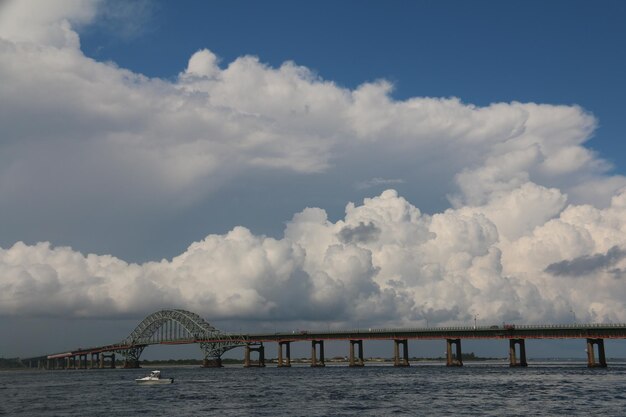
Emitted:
pixel 176 326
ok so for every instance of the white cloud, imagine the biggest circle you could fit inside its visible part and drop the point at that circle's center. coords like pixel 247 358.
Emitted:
pixel 443 268
pixel 47 22
pixel 203 63
pixel 80 136
pixel 179 141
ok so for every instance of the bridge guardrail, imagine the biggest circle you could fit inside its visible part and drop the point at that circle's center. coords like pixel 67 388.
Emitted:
pixel 575 326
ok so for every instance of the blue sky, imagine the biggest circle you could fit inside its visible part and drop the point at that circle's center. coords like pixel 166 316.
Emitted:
pixel 279 165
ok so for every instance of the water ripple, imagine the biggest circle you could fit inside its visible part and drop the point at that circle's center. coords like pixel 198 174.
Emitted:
pixel 333 391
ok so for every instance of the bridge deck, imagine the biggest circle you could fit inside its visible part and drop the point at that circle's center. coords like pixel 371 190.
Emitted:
pixel 582 331
pixel 579 331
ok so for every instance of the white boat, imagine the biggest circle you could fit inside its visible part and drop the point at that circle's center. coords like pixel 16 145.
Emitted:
pixel 154 378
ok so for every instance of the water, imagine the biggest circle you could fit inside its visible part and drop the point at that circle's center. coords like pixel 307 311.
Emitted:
pixel 482 389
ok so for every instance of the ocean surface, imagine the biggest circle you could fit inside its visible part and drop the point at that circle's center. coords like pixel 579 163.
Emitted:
pixel 424 389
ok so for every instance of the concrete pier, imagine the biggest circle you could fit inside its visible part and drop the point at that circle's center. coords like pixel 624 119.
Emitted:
pixel 248 362
pixel 314 360
pixel 286 362
pixel 359 360
pixel 94 361
pixel 400 360
pixel 103 363
pixel 513 362
pixel 455 359
pixel 591 357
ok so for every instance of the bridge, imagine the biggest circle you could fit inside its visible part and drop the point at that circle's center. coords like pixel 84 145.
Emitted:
pixel 176 327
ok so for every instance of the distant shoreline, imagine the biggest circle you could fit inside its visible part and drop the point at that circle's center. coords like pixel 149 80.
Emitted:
pixel 13 364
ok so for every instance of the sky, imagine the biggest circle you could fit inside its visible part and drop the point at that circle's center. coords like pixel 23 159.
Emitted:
pixel 287 165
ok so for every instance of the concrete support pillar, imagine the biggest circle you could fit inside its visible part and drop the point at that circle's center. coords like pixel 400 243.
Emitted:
pixel 400 360
pixel 110 357
pixel 591 357
pixel 260 363
pixel 359 360
pixel 314 361
pixel 287 359
pixel 212 363
pixel 513 362
pixel 112 360
pixel 261 350
pixel 95 360
pixel 454 359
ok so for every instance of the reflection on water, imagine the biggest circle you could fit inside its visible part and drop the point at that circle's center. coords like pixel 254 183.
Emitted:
pixel 545 388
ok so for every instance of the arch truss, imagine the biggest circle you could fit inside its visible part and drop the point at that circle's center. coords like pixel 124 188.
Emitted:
pixel 177 326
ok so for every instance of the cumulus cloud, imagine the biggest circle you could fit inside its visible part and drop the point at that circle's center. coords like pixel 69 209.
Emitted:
pixel 178 141
pixel 79 137
pixel 48 23
pixel 384 262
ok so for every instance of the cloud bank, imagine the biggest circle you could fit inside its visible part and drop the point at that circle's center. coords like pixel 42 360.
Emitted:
pixel 385 262
pixel 528 200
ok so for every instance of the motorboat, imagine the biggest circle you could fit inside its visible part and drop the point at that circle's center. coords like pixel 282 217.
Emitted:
pixel 154 378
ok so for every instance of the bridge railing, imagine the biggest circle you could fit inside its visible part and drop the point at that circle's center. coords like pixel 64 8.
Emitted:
pixel 459 328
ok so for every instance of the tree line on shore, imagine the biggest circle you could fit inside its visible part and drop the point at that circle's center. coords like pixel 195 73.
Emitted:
pixel 15 363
